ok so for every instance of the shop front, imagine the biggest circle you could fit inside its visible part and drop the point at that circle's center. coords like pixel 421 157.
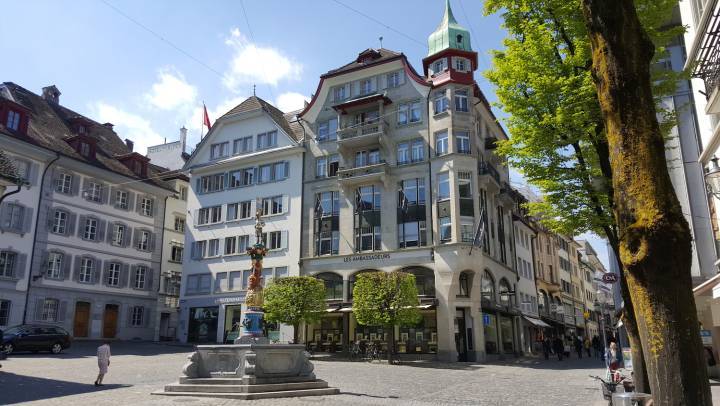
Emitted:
pixel 203 324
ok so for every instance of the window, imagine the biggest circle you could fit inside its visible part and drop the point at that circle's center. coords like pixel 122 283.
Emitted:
pixel 462 142
pixel 440 102
pixel 403 114
pixel 367 238
pixel 198 284
pixel 243 243
pixel 230 245
pixel 118 234
pixel 327 130
pixel 417 151
pixel 144 243
pixel 179 224
pixel 146 206
pixel 7 264
pixel 215 214
pixel 90 231
pixel 176 253
pixel 13 120
pixel 245 209
pixel 49 311
pixel 393 79
pixel 333 285
pixel 412 192
pixel 487 286
pixel 445 229
pixel 199 249
pixel 272 240
pixel 461 100
pixel 443 186
pixel 94 192
pixel 364 158
pixel 59 222
pixel 121 199
pixel 281 272
pixel 272 205
pixel 84 149
pixel 265 173
pixel 219 150
pixel 140 277
pixel 4 312
pixel 113 274
pixel 13 217
pixel 464 285
pixel 213 247
pixel 280 170
pixel 465 194
pixel 441 143
pixel 87 265
pixel 460 64
pixel 63 183
pixel 403 153
pixel 267 140
pixel 136 319
pixel 235 281
pixel 321 167
pixel 339 93
pixel 415 116
pixel 242 177
pixel 366 86
pixel 327 210
pixel 183 193
pixel 367 198
pixel 467 232
pixel 439 66
pixel 54 266
pixel 209 215
pixel 242 145
pixel 212 183
pixel 412 234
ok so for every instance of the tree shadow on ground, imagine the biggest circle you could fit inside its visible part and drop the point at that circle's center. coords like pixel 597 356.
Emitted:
pixel 21 388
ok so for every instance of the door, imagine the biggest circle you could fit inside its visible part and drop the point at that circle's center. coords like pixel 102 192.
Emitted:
pixel 82 319
pixel 110 318
pixel 164 323
pixel 460 337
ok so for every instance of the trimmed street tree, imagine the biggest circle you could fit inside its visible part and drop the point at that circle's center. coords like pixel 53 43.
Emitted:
pixel 386 299
pixel 293 300
pixel 655 245
pixel 544 81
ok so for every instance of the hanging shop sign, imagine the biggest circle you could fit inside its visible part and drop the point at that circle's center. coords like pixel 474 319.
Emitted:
pixel 610 277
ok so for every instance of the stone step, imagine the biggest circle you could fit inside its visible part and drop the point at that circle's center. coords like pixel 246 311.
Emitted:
pixel 239 381
pixel 258 395
pixel 277 387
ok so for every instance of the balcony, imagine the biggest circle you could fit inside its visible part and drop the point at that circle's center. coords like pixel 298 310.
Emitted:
pixel 708 60
pixel 486 168
pixel 363 174
pixel 362 135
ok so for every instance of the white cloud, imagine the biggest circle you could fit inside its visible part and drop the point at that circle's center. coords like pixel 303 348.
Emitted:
pixel 171 91
pixel 290 101
pixel 127 125
pixel 253 64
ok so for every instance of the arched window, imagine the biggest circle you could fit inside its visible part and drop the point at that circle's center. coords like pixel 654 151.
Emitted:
pixel 465 283
pixel 459 39
pixel 504 288
pixel 487 286
pixel 424 280
pixel 544 305
pixel 333 285
pixel 351 282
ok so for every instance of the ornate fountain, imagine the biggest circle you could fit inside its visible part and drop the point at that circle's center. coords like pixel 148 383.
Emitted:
pixel 251 368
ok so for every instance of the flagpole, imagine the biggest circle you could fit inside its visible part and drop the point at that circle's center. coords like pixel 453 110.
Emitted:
pixel 202 121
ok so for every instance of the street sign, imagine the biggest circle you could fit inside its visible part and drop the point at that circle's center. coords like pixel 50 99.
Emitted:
pixel 610 277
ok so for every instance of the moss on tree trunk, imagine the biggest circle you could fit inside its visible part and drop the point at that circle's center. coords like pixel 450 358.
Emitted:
pixel 654 244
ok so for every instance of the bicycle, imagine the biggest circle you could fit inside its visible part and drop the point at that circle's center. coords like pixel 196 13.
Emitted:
pixel 373 353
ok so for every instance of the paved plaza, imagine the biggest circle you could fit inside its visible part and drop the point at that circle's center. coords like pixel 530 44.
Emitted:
pixel 137 369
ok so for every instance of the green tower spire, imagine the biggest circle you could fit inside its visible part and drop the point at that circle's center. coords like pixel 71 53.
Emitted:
pixel 449 34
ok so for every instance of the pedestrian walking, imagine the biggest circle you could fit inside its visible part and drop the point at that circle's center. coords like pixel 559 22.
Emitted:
pixel 559 348
pixel 578 347
pixel 546 347
pixel 612 357
pixel 103 359
pixel 588 346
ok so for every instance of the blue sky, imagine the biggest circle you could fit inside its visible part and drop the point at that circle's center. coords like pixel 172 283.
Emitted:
pixel 109 66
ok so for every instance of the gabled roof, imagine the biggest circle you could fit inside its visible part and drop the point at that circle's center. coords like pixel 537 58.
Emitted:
pixel 49 128
pixel 365 58
pixel 255 103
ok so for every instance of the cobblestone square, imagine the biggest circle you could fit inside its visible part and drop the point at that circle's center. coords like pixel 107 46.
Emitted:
pixel 137 369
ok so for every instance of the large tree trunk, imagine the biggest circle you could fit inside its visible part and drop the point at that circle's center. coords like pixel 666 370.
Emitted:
pixel 390 344
pixel 640 376
pixel 296 333
pixel 655 246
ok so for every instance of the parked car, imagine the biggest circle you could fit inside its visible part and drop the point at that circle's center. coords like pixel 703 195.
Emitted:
pixel 35 338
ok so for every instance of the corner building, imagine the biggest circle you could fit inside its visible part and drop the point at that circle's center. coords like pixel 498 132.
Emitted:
pixel 398 172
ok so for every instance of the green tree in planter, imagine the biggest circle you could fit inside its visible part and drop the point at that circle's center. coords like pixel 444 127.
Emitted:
pixel 293 300
pixel 386 299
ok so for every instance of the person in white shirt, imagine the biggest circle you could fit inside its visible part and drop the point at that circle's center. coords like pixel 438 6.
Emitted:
pixel 103 358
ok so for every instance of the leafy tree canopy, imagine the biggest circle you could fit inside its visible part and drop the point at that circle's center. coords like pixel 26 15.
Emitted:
pixel 294 299
pixel 386 299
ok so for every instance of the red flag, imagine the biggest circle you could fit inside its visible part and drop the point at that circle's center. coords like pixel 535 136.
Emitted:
pixel 206 118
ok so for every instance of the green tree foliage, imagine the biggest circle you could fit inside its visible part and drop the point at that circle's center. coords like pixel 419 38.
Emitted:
pixel 386 299
pixel 293 300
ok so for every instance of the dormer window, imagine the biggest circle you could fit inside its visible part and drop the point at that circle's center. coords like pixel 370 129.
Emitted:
pixel 137 167
pixel 13 120
pixel 439 66
pixel 81 129
pixel 84 149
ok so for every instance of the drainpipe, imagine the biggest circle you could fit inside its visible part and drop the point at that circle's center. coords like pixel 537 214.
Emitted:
pixel 19 187
pixel 37 227
pixel 162 249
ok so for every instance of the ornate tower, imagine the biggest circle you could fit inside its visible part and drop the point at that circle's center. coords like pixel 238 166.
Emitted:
pixel 450 56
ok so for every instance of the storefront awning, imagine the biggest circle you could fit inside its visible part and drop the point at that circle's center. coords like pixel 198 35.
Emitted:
pixel 536 322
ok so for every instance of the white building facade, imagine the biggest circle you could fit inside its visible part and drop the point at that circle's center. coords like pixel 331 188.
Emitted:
pixel 251 159
pixel 532 326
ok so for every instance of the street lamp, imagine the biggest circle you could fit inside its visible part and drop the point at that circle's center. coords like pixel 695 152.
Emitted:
pixel 712 178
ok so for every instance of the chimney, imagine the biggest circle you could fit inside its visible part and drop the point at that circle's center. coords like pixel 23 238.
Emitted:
pixel 129 144
pixel 183 138
pixel 109 125
pixel 51 94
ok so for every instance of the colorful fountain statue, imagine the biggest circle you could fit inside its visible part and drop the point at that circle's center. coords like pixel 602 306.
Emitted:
pixel 252 323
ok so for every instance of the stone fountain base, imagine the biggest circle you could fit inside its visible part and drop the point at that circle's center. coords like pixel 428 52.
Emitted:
pixel 248 371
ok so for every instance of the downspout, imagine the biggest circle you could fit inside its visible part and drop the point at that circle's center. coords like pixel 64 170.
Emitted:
pixel 35 234
pixel 162 250
pixel 19 187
